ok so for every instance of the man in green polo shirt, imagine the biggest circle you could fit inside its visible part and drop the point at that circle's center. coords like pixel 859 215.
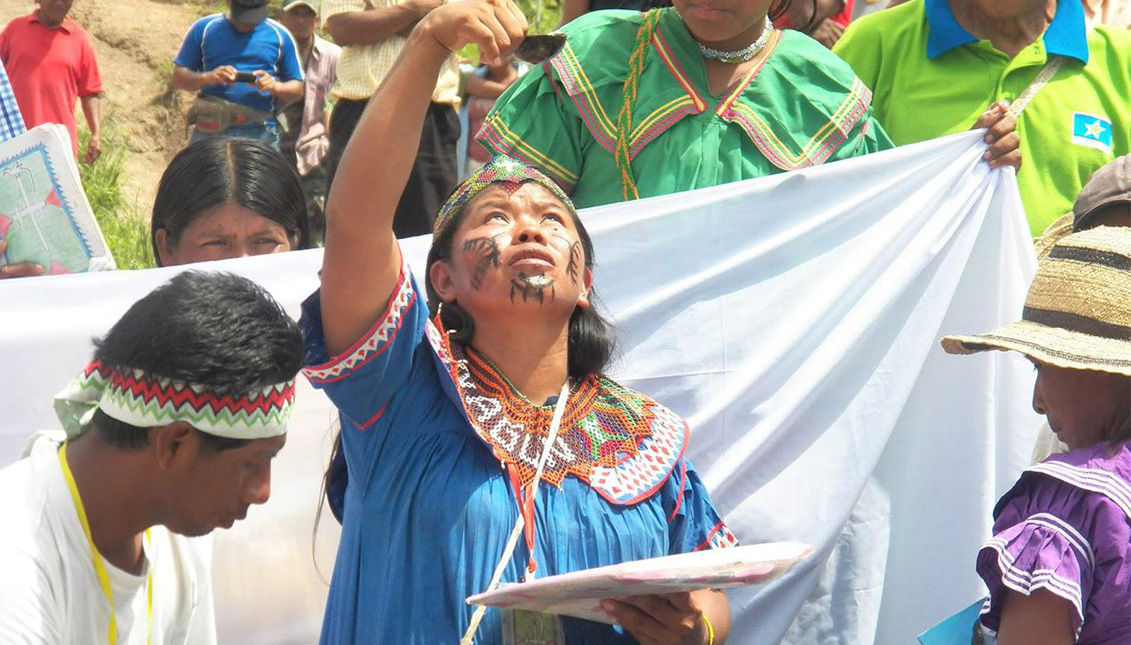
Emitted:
pixel 935 65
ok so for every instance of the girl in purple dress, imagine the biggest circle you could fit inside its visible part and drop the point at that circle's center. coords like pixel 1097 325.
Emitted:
pixel 1059 564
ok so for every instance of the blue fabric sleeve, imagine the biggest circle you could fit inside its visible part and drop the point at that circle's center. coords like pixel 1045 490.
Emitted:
pixel 191 57
pixel 693 522
pixel 362 380
pixel 289 67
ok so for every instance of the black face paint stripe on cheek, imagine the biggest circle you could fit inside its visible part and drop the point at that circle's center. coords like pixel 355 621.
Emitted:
pixel 489 247
pixel 574 266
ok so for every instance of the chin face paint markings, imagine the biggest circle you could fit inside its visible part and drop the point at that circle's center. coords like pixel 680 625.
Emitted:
pixel 532 288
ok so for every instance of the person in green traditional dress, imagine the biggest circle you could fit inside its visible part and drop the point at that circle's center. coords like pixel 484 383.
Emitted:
pixel 714 93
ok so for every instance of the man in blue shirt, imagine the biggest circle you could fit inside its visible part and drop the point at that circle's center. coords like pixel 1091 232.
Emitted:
pixel 241 64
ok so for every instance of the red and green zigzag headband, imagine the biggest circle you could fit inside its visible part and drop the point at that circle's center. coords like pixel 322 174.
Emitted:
pixel 132 396
pixel 500 170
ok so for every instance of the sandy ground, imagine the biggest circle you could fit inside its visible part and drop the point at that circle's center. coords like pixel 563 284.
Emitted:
pixel 135 41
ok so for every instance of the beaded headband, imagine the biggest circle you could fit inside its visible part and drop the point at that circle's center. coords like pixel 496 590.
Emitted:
pixel 501 169
pixel 140 399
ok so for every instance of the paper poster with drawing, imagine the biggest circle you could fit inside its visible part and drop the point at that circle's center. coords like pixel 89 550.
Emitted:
pixel 44 214
pixel 579 593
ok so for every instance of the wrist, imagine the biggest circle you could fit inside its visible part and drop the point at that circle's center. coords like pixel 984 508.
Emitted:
pixel 707 630
pixel 424 41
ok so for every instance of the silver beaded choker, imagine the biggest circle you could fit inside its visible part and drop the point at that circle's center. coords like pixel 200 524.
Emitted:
pixel 740 55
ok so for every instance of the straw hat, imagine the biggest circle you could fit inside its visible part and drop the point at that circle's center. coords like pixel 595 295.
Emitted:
pixel 1078 311
pixel 1053 234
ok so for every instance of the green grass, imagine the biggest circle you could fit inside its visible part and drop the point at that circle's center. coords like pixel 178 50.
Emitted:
pixel 126 233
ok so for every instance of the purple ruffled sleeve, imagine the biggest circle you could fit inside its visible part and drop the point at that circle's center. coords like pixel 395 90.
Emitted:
pixel 1066 527
pixel 1040 551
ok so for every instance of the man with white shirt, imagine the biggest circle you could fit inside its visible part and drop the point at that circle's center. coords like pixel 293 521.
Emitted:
pixel 169 434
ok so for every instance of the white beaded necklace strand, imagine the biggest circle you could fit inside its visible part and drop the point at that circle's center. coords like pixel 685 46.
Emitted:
pixel 740 55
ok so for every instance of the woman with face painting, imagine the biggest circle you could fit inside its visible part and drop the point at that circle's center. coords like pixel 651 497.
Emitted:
pixel 486 404
pixel 1059 565
pixel 699 94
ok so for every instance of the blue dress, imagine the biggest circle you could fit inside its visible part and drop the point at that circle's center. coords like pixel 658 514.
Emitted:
pixel 436 444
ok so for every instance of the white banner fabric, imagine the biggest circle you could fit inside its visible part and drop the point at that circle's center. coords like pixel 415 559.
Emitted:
pixel 793 320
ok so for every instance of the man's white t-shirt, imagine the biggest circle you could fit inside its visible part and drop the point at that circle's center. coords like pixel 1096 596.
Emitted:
pixel 49 590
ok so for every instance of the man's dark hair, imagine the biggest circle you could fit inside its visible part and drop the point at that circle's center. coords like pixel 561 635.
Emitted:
pixel 218 330
pixel 221 170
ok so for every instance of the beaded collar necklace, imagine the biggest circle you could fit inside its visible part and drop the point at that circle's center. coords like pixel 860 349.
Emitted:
pixel 739 55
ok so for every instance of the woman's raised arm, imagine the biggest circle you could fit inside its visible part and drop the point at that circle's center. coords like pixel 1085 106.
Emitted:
pixel 362 260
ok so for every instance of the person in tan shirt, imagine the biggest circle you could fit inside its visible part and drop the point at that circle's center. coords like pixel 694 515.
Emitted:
pixel 372 34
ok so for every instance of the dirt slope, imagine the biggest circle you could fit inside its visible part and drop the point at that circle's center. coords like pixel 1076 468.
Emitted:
pixel 135 41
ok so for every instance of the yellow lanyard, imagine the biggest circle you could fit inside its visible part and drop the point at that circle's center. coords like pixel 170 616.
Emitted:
pixel 99 565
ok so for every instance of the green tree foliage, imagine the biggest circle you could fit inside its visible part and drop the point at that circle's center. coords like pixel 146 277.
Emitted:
pixel 543 15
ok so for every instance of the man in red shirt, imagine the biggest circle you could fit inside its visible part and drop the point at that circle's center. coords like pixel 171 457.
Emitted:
pixel 50 61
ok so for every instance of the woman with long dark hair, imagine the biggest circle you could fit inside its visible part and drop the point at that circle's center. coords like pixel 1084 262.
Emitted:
pixel 484 417
pixel 223 198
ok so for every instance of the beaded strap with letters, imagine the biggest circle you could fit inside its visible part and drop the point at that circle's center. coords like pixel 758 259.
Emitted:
pixel 512 541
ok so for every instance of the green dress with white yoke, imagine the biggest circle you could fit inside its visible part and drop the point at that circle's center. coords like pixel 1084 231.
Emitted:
pixel 799 106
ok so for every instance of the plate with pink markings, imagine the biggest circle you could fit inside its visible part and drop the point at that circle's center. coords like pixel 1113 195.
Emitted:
pixel 579 593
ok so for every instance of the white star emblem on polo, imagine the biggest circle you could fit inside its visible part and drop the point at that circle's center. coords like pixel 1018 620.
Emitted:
pixel 1092 131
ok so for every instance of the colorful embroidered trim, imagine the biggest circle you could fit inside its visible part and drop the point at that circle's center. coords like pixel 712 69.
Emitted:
pixel 720 537
pixel 659 121
pixel 621 442
pixel 740 87
pixel 632 480
pixel 672 63
pixel 132 396
pixel 584 96
pixel 374 342
pixel 503 139
pixel 820 146
pixel 501 169
pixel 629 93
pixel 602 424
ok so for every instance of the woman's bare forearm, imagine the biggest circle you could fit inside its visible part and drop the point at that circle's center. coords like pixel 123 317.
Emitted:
pixel 362 261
